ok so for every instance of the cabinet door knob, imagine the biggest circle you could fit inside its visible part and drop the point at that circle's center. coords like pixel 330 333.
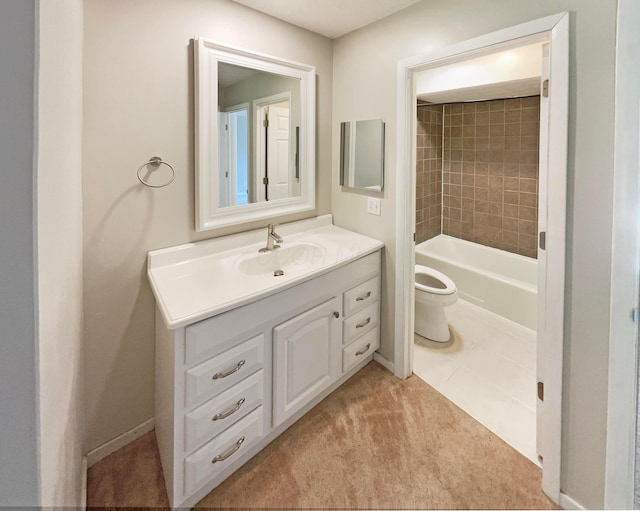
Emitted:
pixel 336 314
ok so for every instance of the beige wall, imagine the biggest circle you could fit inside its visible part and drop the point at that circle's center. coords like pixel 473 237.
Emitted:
pixel 365 74
pixel 138 103
pixel 60 253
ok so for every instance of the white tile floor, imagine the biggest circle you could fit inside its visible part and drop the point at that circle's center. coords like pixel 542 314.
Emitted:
pixel 488 370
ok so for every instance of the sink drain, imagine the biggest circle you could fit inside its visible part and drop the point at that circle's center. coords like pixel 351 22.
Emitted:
pixel 278 273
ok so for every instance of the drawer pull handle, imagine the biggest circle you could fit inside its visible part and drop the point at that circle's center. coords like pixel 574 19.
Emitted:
pixel 364 323
pixel 362 298
pixel 226 413
pixel 336 314
pixel 233 450
pixel 228 372
pixel 363 350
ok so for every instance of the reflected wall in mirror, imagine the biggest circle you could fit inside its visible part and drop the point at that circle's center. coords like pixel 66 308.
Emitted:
pixel 362 154
pixel 255 136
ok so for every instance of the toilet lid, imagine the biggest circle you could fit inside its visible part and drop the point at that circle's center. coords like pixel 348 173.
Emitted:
pixel 432 281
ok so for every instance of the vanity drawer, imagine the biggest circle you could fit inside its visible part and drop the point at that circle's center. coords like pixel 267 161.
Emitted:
pixel 360 322
pixel 217 455
pixel 361 296
pixel 221 372
pixel 218 413
pixel 212 336
pixel 360 349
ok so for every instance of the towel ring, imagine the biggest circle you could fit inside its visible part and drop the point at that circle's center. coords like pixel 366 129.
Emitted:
pixel 156 161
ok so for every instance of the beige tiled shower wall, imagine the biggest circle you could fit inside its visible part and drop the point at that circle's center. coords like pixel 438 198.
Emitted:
pixel 490 173
pixel 429 172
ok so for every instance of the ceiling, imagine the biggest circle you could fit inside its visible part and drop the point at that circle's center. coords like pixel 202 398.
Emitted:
pixel 499 90
pixel 330 18
pixel 505 74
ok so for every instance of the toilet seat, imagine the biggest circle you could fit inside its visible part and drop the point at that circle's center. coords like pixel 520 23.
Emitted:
pixel 448 286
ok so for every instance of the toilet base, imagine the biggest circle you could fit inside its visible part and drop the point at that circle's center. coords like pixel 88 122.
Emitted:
pixel 431 323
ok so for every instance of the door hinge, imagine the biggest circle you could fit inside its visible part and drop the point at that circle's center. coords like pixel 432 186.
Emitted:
pixel 265 123
pixel 635 316
pixel 265 180
pixel 226 127
pixel 414 237
pixel 543 240
pixel 541 391
pixel 545 89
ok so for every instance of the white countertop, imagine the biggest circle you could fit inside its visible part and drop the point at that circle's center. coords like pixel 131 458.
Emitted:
pixel 198 280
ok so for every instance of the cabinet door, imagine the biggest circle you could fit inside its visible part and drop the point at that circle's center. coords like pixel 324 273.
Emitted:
pixel 307 351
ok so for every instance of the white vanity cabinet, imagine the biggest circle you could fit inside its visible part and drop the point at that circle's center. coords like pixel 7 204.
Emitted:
pixel 228 385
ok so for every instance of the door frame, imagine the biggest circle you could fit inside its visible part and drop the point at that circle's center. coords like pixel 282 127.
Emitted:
pixel 554 30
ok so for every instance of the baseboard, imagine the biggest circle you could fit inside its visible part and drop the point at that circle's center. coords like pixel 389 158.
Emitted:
pixel 95 455
pixel 567 502
pixel 83 488
pixel 384 362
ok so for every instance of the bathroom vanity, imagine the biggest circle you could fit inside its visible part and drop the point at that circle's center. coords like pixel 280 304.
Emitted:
pixel 247 343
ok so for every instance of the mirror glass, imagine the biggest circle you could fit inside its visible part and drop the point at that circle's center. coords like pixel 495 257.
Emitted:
pixel 362 154
pixel 260 113
pixel 255 137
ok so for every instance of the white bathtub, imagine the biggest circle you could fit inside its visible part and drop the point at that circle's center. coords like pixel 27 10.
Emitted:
pixel 496 280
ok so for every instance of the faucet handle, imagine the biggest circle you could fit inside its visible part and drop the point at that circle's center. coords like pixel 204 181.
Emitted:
pixel 272 227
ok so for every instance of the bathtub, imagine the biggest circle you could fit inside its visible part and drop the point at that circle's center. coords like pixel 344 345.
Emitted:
pixel 493 279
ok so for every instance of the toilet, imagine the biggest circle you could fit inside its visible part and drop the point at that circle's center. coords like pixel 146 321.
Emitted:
pixel 434 292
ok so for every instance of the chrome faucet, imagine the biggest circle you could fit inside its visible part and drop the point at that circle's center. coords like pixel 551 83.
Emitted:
pixel 272 236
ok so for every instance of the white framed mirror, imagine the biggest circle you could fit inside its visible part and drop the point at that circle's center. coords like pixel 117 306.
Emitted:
pixel 254 135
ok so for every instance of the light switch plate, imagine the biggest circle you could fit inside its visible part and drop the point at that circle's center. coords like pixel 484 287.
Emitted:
pixel 373 206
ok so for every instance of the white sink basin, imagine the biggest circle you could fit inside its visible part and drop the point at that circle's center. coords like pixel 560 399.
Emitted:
pixel 295 256
pixel 199 280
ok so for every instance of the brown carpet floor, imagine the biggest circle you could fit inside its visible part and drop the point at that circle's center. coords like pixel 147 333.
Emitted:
pixel 375 443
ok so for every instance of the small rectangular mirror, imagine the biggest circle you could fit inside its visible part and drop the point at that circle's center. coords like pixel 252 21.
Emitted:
pixel 362 154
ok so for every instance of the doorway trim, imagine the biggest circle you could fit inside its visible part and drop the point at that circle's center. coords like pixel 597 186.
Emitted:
pixel 555 31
